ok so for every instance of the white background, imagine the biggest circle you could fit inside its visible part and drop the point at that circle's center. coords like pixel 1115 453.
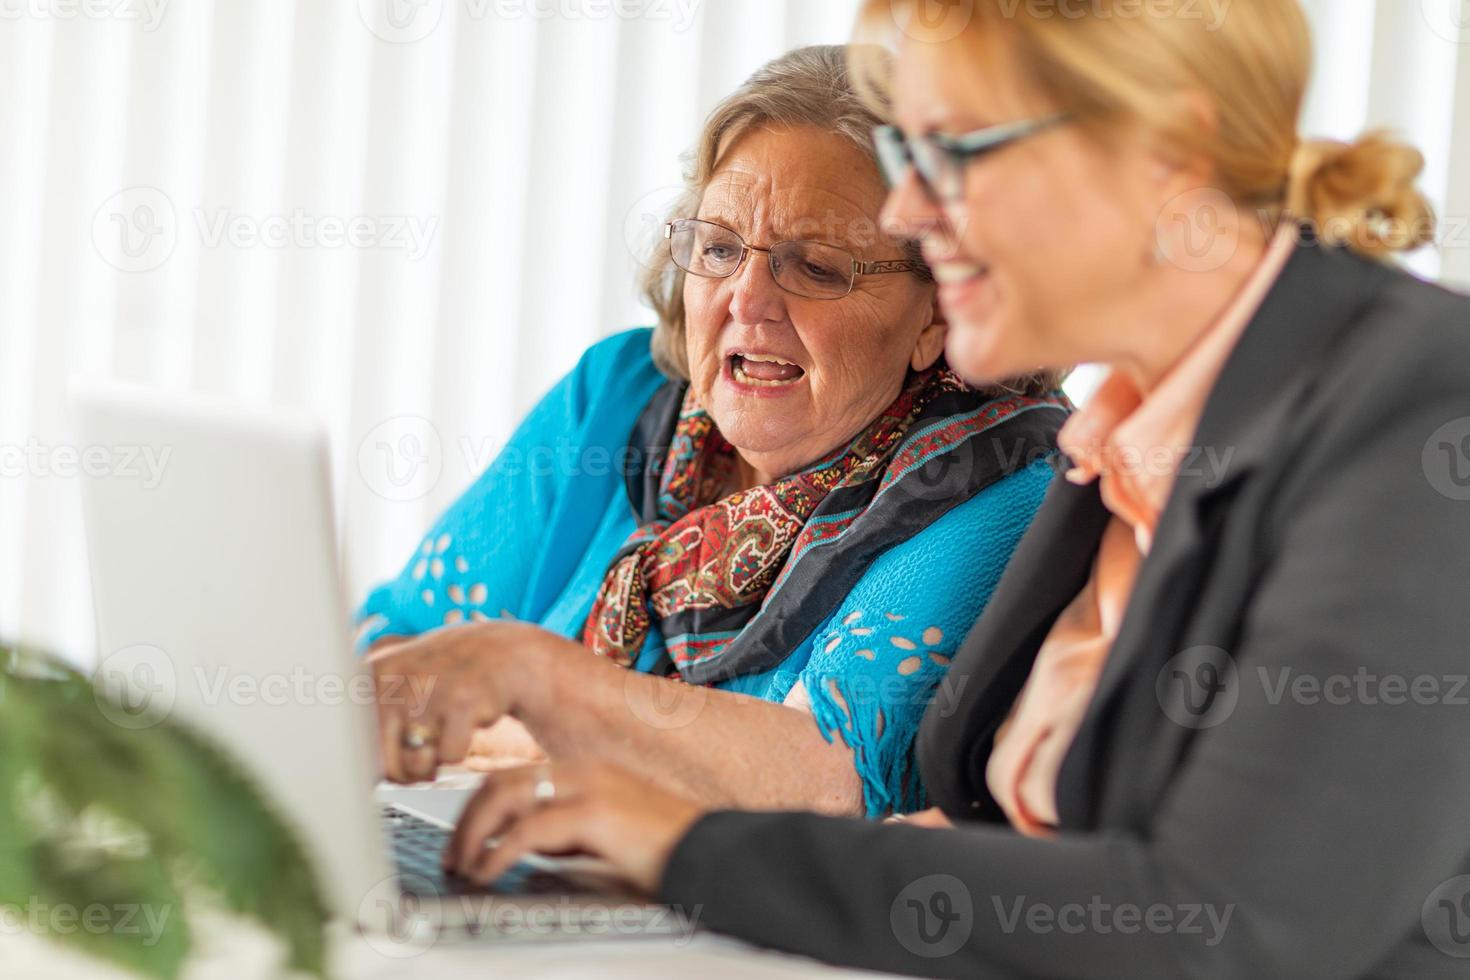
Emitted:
pixel 470 146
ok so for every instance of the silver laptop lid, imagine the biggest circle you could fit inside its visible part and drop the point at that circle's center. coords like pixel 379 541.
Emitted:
pixel 218 603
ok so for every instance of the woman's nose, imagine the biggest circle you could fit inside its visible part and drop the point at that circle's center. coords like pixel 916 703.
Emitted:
pixel 754 296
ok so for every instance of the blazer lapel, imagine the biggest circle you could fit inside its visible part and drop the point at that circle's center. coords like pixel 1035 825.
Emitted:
pixel 1050 566
pixel 1319 292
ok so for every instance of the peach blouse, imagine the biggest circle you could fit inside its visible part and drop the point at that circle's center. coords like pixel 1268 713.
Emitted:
pixel 1132 442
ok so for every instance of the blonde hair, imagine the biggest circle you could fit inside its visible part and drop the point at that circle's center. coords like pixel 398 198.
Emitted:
pixel 807 86
pixel 1107 64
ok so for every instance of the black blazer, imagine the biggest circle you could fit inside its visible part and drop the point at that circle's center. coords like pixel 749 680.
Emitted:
pixel 1273 777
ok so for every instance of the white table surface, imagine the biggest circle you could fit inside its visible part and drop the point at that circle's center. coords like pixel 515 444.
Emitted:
pixel 243 954
pixel 231 949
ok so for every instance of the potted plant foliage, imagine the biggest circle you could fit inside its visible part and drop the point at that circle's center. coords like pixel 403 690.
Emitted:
pixel 119 832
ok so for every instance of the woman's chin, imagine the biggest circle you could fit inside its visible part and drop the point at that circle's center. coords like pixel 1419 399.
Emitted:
pixel 772 446
pixel 977 351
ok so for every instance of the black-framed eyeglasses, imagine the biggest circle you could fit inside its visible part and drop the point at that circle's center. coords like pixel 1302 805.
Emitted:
pixel 815 270
pixel 940 160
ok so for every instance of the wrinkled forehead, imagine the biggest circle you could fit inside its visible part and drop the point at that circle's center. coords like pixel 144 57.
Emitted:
pixel 788 189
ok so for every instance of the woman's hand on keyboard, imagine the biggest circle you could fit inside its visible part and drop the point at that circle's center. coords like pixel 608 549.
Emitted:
pixel 436 690
pixel 570 807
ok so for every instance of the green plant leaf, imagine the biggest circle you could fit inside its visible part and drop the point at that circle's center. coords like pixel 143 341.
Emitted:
pixel 127 815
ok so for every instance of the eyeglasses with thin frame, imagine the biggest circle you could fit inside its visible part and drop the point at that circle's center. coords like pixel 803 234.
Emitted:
pixel 815 270
pixel 940 160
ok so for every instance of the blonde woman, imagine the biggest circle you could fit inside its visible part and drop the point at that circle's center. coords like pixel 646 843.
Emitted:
pixel 1214 721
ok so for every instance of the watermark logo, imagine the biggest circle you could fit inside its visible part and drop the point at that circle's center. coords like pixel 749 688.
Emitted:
pixel 933 21
pixel 401 21
pixel 1198 231
pixel 643 224
pixel 663 704
pixel 1446 917
pixel 136 229
pixel 402 916
pixel 402 458
pixel 1446 459
pixel 933 917
pixel 136 687
pixel 1449 19
pixel 940 475
pixel 1199 688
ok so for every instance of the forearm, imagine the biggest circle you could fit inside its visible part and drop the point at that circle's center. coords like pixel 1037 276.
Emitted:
pixel 981 903
pixel 719 748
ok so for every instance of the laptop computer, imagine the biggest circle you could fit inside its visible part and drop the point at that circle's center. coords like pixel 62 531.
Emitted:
pixel 218 603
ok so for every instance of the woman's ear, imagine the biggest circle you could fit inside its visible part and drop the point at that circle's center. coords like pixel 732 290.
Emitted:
pixel 930 343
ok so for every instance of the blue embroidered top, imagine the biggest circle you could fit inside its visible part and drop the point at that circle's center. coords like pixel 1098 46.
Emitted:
pixel 534 535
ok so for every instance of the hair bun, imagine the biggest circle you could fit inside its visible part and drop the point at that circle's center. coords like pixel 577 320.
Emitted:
pixel 1362 194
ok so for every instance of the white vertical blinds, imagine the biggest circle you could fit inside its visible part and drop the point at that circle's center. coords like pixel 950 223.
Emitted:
pixel 408 217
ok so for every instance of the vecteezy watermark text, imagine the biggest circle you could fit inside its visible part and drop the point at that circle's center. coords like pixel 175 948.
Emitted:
pixel 1201 687
pixel 1211 13
pixel 409 21
pixel 409 915
pixel 41 460
pixel 138 228
pixel 138 686
pixel 38 918
pixel 1102 918
pixel 408 233
pixel 148 14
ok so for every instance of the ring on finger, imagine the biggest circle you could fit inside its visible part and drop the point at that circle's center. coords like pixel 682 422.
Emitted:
pixel 418 736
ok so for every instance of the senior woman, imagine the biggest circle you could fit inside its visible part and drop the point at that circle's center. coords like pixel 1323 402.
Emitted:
pixel 1215 720
pixel 758 614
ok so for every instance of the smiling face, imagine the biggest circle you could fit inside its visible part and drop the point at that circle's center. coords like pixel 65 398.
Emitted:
pixel 1044 259
pixel 786 378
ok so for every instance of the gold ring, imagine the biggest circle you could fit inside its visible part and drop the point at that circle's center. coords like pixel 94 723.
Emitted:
pixel 418 737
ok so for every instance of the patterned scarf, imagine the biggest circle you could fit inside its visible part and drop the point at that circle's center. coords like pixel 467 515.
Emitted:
pixel 705 566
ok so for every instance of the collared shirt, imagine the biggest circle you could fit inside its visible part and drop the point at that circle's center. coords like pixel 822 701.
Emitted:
pixel 1132 442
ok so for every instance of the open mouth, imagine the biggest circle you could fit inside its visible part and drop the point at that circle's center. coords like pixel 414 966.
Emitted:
pixel 763 370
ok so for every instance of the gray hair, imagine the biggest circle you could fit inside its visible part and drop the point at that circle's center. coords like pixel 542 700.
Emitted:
pixel 807 86
pixel 803 87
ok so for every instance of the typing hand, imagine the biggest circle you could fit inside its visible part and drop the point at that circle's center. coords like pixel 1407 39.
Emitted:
pixel 571 807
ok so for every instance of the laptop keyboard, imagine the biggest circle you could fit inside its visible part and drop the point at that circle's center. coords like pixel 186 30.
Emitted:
pixel 418 845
